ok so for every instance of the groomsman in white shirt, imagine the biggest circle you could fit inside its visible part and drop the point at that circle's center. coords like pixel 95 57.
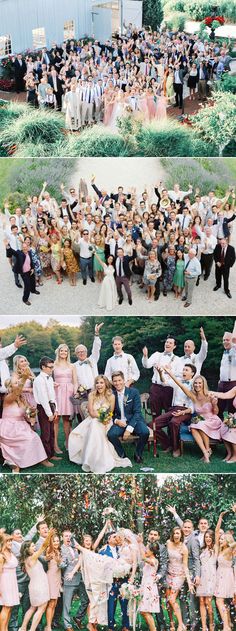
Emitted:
pixel 44 394
pixel 121 361
pixel 86 372
pixel 190 357
pixel 88 102
pixel 161 392
pixel 227 371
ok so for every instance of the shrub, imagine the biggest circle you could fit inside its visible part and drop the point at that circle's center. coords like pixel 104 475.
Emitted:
pixel 9 112
pixel 199 9
pixel 175 21
pixel 97 142
pixel 213 174
pixel 15 200
pixel 227 83
pixel 170 139
pixel 34 126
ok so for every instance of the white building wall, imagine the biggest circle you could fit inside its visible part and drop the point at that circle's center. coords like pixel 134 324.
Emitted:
pixel 19 17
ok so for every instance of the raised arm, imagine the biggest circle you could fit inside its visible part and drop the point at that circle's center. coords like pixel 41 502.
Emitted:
pixel 43 547
pixel 186 391
pixel 12 396
pixel 218 527
pixel 101 534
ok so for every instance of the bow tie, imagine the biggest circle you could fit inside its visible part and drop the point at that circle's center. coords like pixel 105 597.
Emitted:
pixel 84 362
pixel 226 352
pixel 117 356
pixel 187 357
pixel 186 381
pixel 168 354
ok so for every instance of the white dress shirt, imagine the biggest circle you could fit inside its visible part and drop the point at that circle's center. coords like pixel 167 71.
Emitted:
pixel 180 398
pixel 162 359
pixel 124 362
pixel 4 375
pixel 7 351
pixel 196 359
pixel 43 390
pixel 85 253
pixel 228 365
pixel 120 396
pixel 87 370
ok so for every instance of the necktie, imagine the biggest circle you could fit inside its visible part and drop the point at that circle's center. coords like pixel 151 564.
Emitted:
pixel 222 256
pixel 183 222
pixel 120 268
pixel 89 96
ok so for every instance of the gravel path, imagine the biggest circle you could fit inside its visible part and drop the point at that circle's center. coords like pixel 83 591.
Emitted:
pixel 82 300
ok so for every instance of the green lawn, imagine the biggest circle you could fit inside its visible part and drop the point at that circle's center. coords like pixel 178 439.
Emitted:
pixel 165 463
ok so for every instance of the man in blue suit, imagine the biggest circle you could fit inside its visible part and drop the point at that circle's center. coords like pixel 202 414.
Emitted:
pixel 112 550
pixel 128 418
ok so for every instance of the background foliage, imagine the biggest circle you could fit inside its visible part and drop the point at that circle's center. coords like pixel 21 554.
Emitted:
pixel 140 501
pixel 136 331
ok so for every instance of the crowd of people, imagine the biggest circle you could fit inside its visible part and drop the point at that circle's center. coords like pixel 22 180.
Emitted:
pixel 178 579
pixel 164 240
pixel 140 72
pixel 102 413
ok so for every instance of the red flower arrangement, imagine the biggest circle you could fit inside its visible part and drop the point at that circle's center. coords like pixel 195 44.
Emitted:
pixel 219 18
pixel 7 85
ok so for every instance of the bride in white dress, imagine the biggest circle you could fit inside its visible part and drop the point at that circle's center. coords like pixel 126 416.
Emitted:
pixel 88 443
pixel 108 292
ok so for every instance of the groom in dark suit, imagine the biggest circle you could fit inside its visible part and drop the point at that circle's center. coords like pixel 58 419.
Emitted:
pixel 112 550
pixel 123 274
pixel 128 418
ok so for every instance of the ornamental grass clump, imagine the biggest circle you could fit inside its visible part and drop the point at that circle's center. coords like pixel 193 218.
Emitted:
pixel 34 126
pixel 97 142
pixel 10 112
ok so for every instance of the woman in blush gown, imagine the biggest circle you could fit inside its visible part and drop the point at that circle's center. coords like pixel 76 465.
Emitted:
pixel 39 593
pixel 177 572
pixel 108 292
pixel 206 588
pixel 9 593
pixel 228 434
pixel 151 104
pixel 150 599
pixel 207 422
pixel 225 579
pixel 161 106
pixel 65 386
pixel 21 446
pixel 55 565
pixel 88 443
pixel 20 364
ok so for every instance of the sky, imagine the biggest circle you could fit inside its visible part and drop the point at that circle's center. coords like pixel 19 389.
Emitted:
pixel 12 320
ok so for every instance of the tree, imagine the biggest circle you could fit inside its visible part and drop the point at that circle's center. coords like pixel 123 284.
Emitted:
pixel 152 13
pixel 216 123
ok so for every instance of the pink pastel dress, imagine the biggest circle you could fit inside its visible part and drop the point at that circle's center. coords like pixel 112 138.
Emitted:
pixel 152 106
pixel 63 377
pixel 212 424
pixel 38 585
pixel 28 396
pixel 225 583
pixel 9 593
pixel 20 445
pixel 208 573
pixel 175 572
pixel 229 434
pixel 54 579
pixel 149 591
pixel 161 107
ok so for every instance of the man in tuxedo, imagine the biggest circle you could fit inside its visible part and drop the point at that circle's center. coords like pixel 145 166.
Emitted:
pixel 123 274
pixel 112 550
pixel 128 418
pixel 24 266
pixel 179 74
pixel 20 69
pixel 57 86
pixel 73 585
pixel 224 257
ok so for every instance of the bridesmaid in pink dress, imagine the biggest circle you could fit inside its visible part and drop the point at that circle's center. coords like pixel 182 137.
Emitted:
pixel 151 104
pixel 9 594
pixel 205 405
pixel 20 364
pixel 38 586
pixel 206 589
pixel 228 434
pixel 150 602
pixel 225 580
pixel 177 572
pixel 65 385
pixel 55 564
pixel 21 446
pixel 161 106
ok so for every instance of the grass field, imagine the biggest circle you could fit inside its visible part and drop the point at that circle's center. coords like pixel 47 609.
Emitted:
pixel 189 463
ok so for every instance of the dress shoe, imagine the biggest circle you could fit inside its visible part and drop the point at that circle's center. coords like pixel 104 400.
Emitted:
pixel 27 302
pixel 84 282
pixel 92 280
pixel 36 292
pixel 130 301
pixel 120 301
pixel 187 304
pixel 78 623
pixel 183 299
pixel 216 287
pixel 164 293
pixel 228 294
pixel 138 459
pixel 19 285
